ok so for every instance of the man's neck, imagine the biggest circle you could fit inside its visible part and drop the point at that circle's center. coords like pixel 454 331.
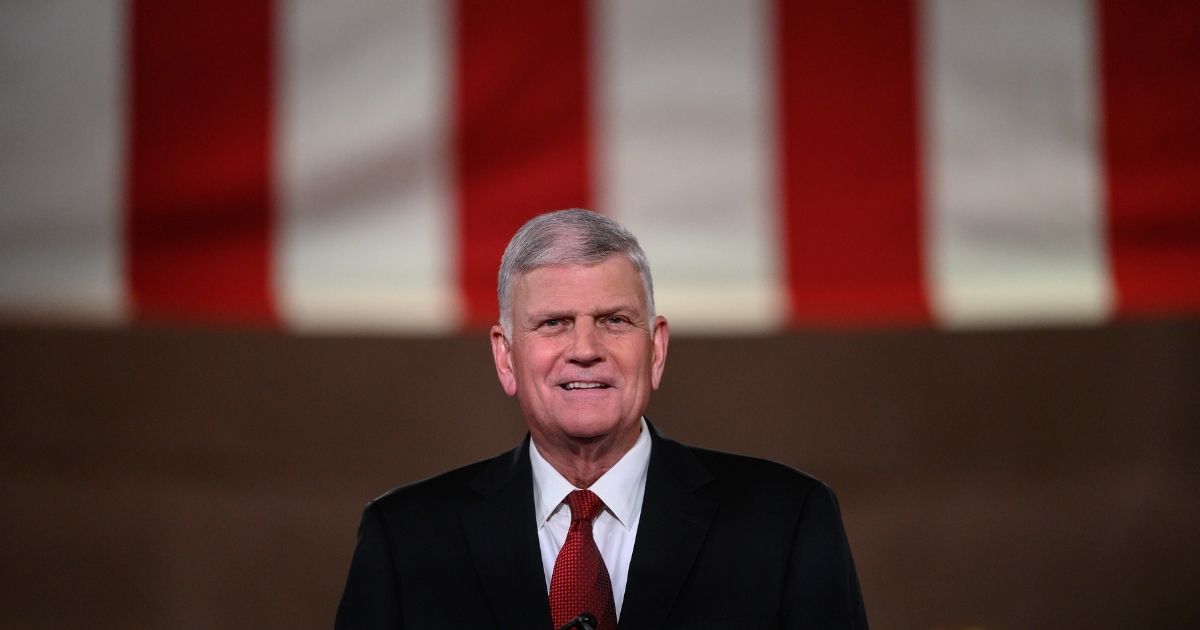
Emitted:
pixel 582 462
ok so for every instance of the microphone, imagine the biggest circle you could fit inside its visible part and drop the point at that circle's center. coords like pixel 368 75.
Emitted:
pixel 585 621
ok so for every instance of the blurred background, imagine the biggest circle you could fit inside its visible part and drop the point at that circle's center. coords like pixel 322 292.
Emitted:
pixel 944 255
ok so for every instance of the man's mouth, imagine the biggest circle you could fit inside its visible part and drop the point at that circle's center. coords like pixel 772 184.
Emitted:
pixel 583 385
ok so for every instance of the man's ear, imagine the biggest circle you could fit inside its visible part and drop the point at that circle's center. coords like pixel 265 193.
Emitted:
pixel 659 337
pixel 502 355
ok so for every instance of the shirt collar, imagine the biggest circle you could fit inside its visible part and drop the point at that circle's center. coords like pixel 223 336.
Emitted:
pixel 619 488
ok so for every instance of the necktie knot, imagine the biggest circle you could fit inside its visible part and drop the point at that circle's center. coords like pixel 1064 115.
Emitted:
pixel 585 505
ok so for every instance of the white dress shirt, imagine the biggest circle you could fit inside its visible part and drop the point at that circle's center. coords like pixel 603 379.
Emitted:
pixel 615 529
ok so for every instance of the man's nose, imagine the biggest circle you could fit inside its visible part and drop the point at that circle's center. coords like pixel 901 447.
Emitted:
pixel 586 346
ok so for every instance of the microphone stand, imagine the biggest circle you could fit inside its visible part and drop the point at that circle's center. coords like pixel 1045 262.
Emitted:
pixel 585 621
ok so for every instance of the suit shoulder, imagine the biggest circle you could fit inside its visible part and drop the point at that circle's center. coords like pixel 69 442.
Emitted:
pixel 436 490
pixel 743 471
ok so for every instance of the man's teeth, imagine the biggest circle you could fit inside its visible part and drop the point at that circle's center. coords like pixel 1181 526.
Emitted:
pixel 580 385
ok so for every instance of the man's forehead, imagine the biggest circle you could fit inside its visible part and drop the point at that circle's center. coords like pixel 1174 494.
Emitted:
pixel 614 280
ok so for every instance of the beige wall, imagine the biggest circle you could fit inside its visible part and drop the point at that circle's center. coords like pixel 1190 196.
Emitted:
pixel 213 479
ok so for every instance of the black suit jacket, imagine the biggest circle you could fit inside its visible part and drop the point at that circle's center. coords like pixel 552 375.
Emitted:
pixel 724 542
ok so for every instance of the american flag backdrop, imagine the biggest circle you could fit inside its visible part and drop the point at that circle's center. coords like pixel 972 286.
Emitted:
pixel 338 166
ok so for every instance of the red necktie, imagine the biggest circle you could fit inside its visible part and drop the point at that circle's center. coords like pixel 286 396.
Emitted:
pixel 580 582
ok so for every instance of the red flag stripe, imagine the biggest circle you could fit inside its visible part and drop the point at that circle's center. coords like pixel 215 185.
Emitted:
pixel 521 129
pixel 199 214
pixel 849 162
pixel 1151 96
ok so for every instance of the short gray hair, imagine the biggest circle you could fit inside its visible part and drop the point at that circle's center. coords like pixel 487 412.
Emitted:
pixel 572 236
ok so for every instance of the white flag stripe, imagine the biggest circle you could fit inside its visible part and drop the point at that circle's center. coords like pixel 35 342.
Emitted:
pixel 367 232
pixel 1014 216
pixel 685 156
pixel 61 113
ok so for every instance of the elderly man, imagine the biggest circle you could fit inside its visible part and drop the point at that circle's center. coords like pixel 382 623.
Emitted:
pixel 596 517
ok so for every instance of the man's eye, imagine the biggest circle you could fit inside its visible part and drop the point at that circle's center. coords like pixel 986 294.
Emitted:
pixel 615 319
pixel 552 323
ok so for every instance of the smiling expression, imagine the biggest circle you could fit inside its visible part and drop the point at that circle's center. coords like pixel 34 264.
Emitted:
pixel 583 355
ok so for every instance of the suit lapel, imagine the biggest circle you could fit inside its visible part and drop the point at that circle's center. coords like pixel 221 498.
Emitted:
pixel 503 541
pixel 674 522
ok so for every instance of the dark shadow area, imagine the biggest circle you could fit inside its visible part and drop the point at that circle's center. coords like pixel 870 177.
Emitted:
pixel 213 479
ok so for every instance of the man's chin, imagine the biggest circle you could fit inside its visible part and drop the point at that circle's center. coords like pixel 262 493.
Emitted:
pixel 582 429
pixel 589 433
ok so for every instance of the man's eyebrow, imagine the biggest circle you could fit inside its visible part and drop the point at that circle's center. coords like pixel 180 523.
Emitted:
pixel 566 314
pixel 620 308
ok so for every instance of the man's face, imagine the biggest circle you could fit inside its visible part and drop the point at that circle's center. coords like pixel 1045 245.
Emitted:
pixel 583 355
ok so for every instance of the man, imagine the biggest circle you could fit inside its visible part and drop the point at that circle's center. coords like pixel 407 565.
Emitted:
pixel 597 517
